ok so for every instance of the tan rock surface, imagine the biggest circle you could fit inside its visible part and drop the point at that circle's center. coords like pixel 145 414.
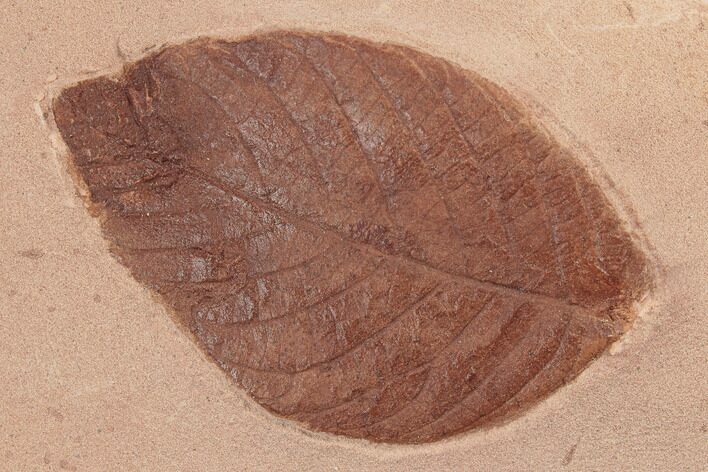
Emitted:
pixel 98 377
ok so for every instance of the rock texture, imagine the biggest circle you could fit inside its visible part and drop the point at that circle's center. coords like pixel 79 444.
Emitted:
pixel 369 240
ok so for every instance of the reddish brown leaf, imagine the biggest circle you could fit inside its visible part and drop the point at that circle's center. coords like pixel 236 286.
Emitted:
pixel 368 239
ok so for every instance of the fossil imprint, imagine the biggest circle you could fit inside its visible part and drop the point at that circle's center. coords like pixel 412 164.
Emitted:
pixel 369 240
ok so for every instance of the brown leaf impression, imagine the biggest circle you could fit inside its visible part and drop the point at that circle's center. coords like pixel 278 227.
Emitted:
pixel 369 240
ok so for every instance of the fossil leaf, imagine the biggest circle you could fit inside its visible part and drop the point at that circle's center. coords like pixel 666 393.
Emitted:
pixel 369 240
